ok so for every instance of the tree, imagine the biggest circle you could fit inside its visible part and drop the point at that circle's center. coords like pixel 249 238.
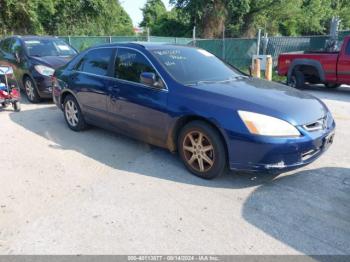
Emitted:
pixel 23 17
pixel 162 22
pixel 172 23
pixel 209 16
pixel 243 18
pixel 64 17
pixel 152 12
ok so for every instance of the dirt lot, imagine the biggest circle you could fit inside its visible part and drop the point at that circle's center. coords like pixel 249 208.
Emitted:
pixel 96 192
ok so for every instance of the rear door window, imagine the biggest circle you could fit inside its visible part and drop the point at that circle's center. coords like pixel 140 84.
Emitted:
pixel 96 61
pixel 16 46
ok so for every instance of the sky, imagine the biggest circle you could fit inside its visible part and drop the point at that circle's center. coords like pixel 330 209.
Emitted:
pixel 132 7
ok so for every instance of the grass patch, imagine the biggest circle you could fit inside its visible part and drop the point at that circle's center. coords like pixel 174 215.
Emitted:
pixel 275 76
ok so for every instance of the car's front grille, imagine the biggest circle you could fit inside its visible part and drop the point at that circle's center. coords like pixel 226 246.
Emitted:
pixel 320 124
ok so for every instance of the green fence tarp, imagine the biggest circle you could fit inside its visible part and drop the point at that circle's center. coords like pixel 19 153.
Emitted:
pixel 343 34
pixel 83 42
pixel 239 52
pixel 235 51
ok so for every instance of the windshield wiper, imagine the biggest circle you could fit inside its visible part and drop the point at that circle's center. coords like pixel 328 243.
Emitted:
pixel 216 81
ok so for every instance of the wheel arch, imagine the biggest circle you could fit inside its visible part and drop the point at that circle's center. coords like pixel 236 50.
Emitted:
pixel 26 75
pixel 300 63
pixel 65 93
pixel 184 120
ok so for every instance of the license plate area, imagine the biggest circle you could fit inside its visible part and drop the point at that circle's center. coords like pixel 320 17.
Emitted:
pixel 328 140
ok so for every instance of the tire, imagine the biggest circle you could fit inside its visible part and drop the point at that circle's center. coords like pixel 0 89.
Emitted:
pixel 297 80
pixel 3 105
pixel 332 86
pixel 17 106
pixel 72 114
pixel 30 90
pixel 192 151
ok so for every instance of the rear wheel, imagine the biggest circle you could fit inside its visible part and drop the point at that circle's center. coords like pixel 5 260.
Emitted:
pixel 329 85
pixel 31 91
pixel 297 80
pixel 72 114
pixel 202 150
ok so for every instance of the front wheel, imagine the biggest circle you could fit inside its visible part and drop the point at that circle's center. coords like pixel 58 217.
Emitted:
pixel 332 86
pixel 72 114
pixel 31 91
pixel 202 150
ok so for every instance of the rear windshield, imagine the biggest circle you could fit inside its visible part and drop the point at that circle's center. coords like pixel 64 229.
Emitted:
pixel 48 47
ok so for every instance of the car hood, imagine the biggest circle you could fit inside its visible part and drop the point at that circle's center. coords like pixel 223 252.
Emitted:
pixel 266 97
pixel 52 61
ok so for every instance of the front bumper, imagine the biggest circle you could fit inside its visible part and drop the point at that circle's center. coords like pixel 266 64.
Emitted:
pixel 43 84
pixel 56 96
pixel 266 154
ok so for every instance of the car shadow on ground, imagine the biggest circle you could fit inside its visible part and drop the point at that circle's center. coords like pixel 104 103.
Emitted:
pixel 309 210
pixel 121 152
pixel 43 101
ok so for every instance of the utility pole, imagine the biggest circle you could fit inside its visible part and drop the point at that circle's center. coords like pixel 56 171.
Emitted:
pixel 258 43
pixel 332 42
pixel 335 22
pixel 223 44
pixel 194 36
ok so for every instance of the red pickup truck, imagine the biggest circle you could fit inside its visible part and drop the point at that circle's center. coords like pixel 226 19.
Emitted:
pixel 329 68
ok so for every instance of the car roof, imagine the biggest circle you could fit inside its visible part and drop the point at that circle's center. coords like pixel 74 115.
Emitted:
pixel 142 45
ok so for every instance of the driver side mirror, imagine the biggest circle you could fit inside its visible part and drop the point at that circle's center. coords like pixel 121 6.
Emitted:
pixel 148 78
pixel 17 57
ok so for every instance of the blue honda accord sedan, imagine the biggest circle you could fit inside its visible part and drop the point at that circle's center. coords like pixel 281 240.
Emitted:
pixel 187 100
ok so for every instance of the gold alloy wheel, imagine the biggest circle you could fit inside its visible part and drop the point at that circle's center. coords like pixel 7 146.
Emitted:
pixel 198 151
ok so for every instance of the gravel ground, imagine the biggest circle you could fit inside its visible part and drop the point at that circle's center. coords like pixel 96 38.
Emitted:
pixel 97 192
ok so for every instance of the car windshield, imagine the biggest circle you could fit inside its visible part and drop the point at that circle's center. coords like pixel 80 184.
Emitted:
pixel 191 66
pixel 48 47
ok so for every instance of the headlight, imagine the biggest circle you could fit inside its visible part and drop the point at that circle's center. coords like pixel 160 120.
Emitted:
pixel 264 125
pixel 44 70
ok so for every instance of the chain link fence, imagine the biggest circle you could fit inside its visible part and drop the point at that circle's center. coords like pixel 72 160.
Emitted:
pixel 235 51
pixel 83 42
pixel 239 51
pixel 343 34
pixel 278 45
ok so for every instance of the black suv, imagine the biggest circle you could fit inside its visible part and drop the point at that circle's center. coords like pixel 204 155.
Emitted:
pixel 34 59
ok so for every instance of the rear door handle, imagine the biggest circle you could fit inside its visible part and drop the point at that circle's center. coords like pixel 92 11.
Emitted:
pixel 114 93
pixel 114 99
